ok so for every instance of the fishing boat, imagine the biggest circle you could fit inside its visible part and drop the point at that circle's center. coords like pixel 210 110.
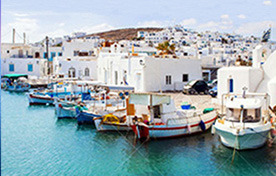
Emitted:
pixel 246 123
pixel 18 86
pixel 65 108
pixel 103 102
pixel 40 99
pixel 58 90
pixel 16 83
pixel 114 119
pixel 164 120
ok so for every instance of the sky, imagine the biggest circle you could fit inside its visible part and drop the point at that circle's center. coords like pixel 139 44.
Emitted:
pixel 56 18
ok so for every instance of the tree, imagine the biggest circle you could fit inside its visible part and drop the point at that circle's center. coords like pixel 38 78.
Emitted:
pixel 166 48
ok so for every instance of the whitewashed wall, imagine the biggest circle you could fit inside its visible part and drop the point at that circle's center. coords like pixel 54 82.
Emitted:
pixel 21 66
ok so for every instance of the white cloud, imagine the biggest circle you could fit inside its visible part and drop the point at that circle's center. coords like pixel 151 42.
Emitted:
pixel 241 16
pixel 225 23
pixel 24 25
pixel 189 22
pixel 255 28
pixel 152 23
pixel 20 14
pixel 55 33
pixel 61 24
pixel 267 2
pixel 224 16
pixel 211 25
pixel 95 28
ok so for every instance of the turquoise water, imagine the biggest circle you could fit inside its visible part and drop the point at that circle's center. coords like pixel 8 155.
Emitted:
pixel 34 142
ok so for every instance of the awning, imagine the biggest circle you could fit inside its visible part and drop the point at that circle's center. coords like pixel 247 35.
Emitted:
pixel 149 99
pixel 14 76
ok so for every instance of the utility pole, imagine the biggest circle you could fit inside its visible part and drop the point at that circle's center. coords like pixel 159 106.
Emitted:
pixel 47 53
pixel 24 38
pixel 13 36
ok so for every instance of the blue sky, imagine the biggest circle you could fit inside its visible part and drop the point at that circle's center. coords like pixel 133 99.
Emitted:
pixel 54 18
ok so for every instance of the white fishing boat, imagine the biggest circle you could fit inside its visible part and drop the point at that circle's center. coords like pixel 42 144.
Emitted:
pixel 59 90
pixel 65 109
pixel 246 123
pixel 104 102
pixel 164 120
pixel 113 118
pixel 40 99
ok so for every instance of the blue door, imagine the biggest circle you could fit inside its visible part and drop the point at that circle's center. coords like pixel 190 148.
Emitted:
pixel 231 85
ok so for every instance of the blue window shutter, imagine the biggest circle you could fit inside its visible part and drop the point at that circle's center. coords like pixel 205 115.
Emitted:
pixel 231 85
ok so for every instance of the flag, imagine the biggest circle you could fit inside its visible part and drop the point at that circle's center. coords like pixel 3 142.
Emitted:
pixel 266 35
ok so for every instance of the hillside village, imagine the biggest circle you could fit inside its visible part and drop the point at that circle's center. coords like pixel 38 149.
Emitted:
pixel 150 59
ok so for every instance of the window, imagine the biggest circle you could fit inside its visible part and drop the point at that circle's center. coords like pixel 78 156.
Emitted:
pixel 185 77
pixel 11 67
pixel 30 67
pixel 37 55
pixel 116 77
pixel 72 72
pixel 45 55
pixel 8 51
pixel 76 53
pixel 59 53
pixel 168 79
pixel 53 54
pixel 86 72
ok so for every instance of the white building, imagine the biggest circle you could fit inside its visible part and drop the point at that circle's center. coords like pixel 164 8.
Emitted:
pixel 259 78
pixel 82 68
pixel 80 47
pixel 147 73
pixel 29 66
pixel 78 59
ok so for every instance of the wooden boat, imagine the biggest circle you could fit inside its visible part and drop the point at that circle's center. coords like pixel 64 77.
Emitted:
pixel 113 120
pixel 18 87
pixel 163 120
pixel 65 109
pixel 16 83
pixel 104 102
pixel 246 124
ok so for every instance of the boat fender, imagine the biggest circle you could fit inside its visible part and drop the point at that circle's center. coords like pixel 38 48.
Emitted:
pixel 202 125
pixel 213 130
pixel 272 120
pixel 189 128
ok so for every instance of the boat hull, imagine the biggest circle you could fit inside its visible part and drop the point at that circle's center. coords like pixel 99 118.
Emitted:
pixel 243 139
pixel 170 131
pixel 86 118
pixel 40 100
pixel 65 112
pixel 111 126
pixel 17 89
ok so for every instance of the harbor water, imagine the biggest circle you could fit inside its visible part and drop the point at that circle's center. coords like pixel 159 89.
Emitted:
pixel 34 142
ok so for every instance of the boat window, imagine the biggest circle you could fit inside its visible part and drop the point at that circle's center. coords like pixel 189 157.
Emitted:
pixel 249 115
pixel 233 115
pixel 156 112
pixel 252 115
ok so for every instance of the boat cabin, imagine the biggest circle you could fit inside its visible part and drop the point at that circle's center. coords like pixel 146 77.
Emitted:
pixel 243 110
pixel 155 108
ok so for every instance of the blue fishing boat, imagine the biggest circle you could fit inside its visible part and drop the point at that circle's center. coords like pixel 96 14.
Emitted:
pixel 16 83
pixel 84 117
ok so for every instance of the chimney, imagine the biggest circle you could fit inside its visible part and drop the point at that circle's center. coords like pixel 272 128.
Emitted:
pixel 24 38
pixel 13 35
